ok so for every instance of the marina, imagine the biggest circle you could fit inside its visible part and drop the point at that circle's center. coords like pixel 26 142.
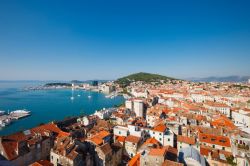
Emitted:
pixel 47 105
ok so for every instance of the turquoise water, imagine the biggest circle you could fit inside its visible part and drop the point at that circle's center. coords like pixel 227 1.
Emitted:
pixel 48 105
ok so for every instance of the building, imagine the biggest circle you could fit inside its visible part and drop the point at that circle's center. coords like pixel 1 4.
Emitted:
pixel 221 107
pixel 107 154
pixel 27 147
pixel 157 156
pixel 136 105
pixel 129 104
pixel 191 156
pixel 106 88
pixel 121 131
pixel 241 117
pixel 132 144
pixel 215 141
pixel 65 153
pixel 162 134
pixel 184 142
pixel 105 113
pixel 139 108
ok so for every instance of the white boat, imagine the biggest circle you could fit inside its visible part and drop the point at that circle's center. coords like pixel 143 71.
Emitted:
pixel 89 96
pixel 24 111
pixel 78 95
pixel 72 98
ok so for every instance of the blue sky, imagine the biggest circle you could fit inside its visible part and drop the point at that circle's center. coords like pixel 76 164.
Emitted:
pixel 65 40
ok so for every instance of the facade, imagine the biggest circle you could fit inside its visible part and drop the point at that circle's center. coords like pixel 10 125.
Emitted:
pixel 162 134
pixel 132 144
pixel 139 108
pixel 185 142
pixel 65 153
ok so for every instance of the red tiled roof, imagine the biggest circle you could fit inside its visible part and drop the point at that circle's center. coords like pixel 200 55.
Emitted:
pixel 10 142
pixel 135 161
pixel 160 128
pixel 152 141
pixel 205 150
pixel 132 139
pixel 98 138
pixel 185 139
pixel 214 139
pixel 120 138
pixel 162 151
pixel 223 121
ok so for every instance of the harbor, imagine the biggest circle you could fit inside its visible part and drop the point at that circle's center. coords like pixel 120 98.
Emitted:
pixel 6 119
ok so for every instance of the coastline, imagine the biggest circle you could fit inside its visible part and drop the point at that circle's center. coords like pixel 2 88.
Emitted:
pixel 52 105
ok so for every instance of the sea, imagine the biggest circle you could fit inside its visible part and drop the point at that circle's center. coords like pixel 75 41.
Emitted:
pixel 48 105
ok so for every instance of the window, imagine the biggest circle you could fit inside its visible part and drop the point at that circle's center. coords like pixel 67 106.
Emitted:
pixel 153 132
pixel 213 146
pixel 223 148
pixel 119 132
pixel 160 139
pixel 168 139
pixel 160 133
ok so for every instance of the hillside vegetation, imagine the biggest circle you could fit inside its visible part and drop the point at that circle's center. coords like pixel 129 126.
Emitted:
pixel 145 77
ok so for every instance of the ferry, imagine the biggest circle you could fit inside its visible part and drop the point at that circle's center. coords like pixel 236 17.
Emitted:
pixel 24 111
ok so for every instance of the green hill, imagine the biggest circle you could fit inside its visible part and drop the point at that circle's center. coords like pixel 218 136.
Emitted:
pixel 145 77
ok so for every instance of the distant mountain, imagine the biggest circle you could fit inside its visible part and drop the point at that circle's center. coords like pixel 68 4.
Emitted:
pixel 221 79
pixel 145 77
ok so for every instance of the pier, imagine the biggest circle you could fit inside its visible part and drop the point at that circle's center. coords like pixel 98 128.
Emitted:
pixel 7 119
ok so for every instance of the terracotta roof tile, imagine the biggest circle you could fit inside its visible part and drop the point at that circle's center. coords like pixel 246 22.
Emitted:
pixel 160 128
pixel 135 161
pixel 132 139
pixel 185 139
pixel 215 139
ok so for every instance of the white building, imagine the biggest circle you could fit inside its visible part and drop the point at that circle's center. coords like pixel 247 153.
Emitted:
pixel 121 131
pixel 139 93
pixel 241 118
pixel 129 104
pixel 162 134
pixel 135 105
pixel 107 88
pixel 104 113
pixel 138 108
pixel 221 107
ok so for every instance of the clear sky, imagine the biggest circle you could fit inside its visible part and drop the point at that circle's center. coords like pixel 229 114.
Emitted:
pixel 65 40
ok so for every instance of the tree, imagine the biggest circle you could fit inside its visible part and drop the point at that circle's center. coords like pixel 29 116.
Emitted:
pixel 230 160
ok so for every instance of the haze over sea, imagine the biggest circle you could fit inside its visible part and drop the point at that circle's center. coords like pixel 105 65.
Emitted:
pixel 48 105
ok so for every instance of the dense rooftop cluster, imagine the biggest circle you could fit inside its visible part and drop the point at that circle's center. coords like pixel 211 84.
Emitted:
pixel 167 123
